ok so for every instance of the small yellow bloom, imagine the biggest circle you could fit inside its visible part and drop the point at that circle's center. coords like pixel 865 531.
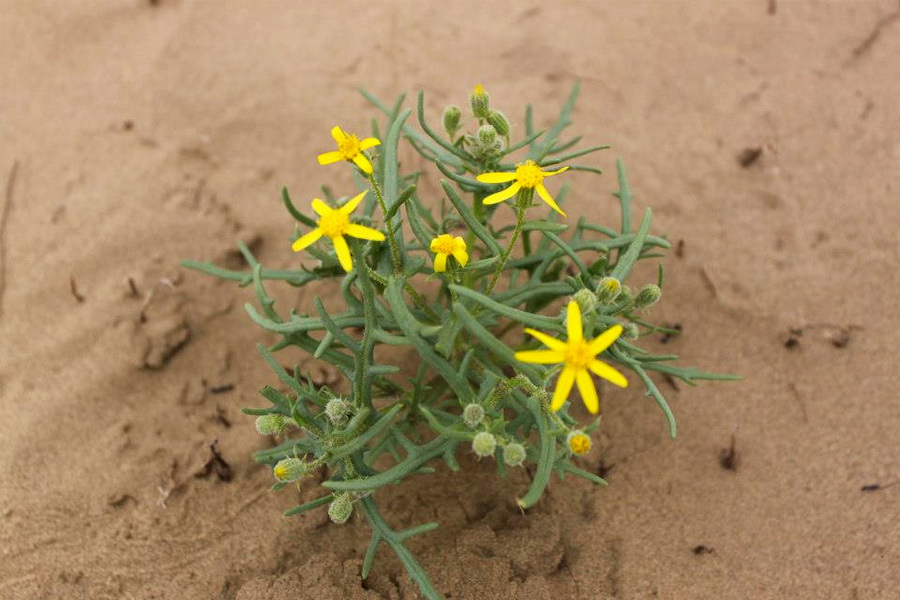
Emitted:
pixel 527 175
pixel 579 443
pixel 579 359
pixel 350 148
pixel 335 224
pixel 444 245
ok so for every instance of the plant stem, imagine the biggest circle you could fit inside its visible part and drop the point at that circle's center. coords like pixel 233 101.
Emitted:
pixel 522 203
pixel 392 239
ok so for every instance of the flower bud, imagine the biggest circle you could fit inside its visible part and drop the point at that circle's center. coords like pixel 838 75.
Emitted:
pixel 473 414
pixel 579 442
pixel 487 135
pixel 340 508
pixel 608 290
pixel 479 101
pixel 648 296
pixel 289 469
pixel 484 444
pixel 271 424
pixel 498 121
pixel 631 331
pixel 514 454
pixel 338 411
pixel 587 301
pixel 452 115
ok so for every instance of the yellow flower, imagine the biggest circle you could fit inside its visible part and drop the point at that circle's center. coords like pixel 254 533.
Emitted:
pixel 335 224
pixel 578 357
pixel 350 148
pixel 527 175
pixel 444 245
pixel 579 443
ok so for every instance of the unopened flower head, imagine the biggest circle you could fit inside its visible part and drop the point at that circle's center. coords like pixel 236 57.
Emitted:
pixel 487 135
pixel 349 148
pixel 289 469
pixel 528 175
pixel 473 415
pixel 498 121
pixel 484 444
pixel 586 299
pixel 514 454
pixel 341 508
pixel 452 116
pixel 444 246
pixel 272 424
pixel 579 359
pixel 648 296
pixel 631 331
pixel 338 411
pixel 608 290
pixel 480 101
pixel 335 223
pixel 579 442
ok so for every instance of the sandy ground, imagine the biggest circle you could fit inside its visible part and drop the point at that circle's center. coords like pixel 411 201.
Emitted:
pixel 148 132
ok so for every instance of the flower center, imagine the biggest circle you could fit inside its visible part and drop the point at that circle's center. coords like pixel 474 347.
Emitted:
pixel 578 354
pixel 349 147
pixel 529 175
pixel 580 444
pixel 444 244
pixel 334 224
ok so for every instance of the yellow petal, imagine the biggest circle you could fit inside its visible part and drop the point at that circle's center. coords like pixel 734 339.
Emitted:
pixel 367 143
pixel 440 263
pixel 574 328
pixel 601 369
pixel 352 203
pixel 541 357
pixel 503 195
pixel 588 391
pixel 338 134
pixel 330 157
pixel 461 256
pixel 546 197
pixel 364 233
pixel 563 387
pixel 363 163
pixel 306 240
pixel 496 177
pixel 552 343
pixel 605 339
pixel 434 244
pixel 320 207
pixel 459 243
pixel 343 252
pixel 556 172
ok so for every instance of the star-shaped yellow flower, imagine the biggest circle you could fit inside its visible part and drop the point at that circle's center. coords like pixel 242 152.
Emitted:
pixel 527 175
pixel 350 148
pixel 578 357
pixel 445 245
pixel 335 224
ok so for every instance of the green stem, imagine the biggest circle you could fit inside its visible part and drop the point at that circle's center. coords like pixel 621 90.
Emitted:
pixel 524 200
pixel 392 238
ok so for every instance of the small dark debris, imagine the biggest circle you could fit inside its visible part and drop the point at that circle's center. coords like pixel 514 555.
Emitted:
pixel 132 288
pixel 603 469
pixel 793 338
pixel 222 418
pixel 773 7
pixel 216 464
pixel 728 457
pixel 120 500
pixel 221 389
pixel 702 549
pixel 679 249
pixel 748 156
pixel 841 337
pixel 876 487
pixel 73 289
pixel 667 336
pixel 128 125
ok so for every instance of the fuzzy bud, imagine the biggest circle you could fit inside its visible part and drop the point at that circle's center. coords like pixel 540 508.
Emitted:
pixel 630 331
pixel 272 424
pixel 484 444
pixel 480 101
pixel 452 116
pixel 498 121
pixel 608 290
pixel 473 414
pixel 648 296
pixel 487 135
pixel 341 508
pixel 587 301
pixel 289 469
pixel 578 442
pixel 338 411
pixel 514 454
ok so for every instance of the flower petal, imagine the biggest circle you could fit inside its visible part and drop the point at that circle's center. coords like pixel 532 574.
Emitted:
pixel 363 163
pixel 320 207
pixel 552 343
pixel 497 177
pixel 563 387
pixel 503 194
pixel 588 391
pixel 440 262
pixel 601 369
pixel 307 240
pixel 343 252
pixel 367 143
pixel 352 203
pixel 461 256
pixel 338 134
pixel 556 172
pixel 541 357
pixel 330 157
pixel 574 327
pixel 546 197
pixel 364 233
pixel 605 339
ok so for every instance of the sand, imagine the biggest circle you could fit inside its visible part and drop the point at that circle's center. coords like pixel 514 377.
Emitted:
pixel 149 132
